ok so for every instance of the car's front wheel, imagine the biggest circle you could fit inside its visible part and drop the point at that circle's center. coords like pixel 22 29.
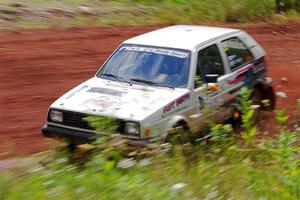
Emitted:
pixel 179 134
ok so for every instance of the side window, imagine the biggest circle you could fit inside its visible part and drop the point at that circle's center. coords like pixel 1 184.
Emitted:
pixel 237 53
pixel 209 62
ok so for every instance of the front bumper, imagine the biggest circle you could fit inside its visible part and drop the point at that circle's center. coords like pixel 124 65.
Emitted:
pixel 81 137
pixel 74 136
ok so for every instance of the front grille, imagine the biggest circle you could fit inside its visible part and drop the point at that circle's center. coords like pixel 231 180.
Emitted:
pixel 75 119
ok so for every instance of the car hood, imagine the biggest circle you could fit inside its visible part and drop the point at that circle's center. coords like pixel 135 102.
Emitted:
pixel 119 100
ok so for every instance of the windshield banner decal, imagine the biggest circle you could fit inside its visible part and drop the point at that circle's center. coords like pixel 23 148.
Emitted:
pixel 167 52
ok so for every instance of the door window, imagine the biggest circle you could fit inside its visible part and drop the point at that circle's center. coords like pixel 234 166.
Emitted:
pixel 209 62
pixel 237 53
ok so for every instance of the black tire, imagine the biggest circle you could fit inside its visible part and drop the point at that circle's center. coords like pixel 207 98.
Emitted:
pixel 257 97
pixel 236 120
pixel 72 147
pixel 270 95
pixel 261 93
pixel 180 134
pixel 181 140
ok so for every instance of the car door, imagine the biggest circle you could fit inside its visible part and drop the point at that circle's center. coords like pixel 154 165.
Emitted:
pixel 208 86
pixel 240 61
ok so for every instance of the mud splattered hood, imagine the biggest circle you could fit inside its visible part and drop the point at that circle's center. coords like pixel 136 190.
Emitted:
pixel 119 100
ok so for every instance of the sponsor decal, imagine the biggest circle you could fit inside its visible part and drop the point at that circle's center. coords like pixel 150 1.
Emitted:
pixel 167 52
pixel 213 90
pixel 102 102
pixel 77 91
pixel 169 107
pixel 239 71
pixel 238 79
pixel 176 103
pixel 176 110
pixel 243 74
pixel 107 91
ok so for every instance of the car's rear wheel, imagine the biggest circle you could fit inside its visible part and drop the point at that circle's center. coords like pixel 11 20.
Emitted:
pixel 269 94
pixel 72 147
pixel 257 97
pixel 260 94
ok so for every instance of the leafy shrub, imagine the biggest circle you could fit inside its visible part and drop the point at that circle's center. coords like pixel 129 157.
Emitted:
pixel 285 5
pixel 222 169
pixel 102 124
pixel 235 172
pixel 181 11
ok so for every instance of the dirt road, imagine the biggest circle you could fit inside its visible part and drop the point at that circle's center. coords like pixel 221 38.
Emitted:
pixel 37 66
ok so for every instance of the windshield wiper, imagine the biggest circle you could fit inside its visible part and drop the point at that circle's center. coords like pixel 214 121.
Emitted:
pixel 151 82
pixel 116 77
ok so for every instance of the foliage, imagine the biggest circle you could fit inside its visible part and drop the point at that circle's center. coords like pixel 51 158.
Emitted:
pixel 287 153
pixel 285 5
pixel 272 173
pixel 145 12
pixel 102 124
pixel 248 113
pixel 215 10
pixel 220 132
pixel 223 168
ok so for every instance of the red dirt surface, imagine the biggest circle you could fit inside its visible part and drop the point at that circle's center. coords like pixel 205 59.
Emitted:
pixel 38 66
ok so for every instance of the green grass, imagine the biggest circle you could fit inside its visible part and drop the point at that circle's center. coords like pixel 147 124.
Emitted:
pixel 230 166
pixel 146 12
pixel 232 173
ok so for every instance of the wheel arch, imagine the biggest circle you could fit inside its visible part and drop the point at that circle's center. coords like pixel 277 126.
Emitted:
pixel 175 120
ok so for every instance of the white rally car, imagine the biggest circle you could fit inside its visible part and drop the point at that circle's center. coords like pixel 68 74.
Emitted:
pixel 164 79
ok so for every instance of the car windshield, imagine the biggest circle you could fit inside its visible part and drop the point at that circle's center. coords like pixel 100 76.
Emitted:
pixel 148 65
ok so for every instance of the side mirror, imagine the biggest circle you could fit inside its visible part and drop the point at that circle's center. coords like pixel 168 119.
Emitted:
pixel 211 78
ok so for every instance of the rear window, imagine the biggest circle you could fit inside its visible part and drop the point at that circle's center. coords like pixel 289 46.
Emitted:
pixel 237 53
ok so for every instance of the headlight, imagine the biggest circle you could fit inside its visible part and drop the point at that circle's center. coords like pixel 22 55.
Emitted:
pixel 132 128
pixel 56 116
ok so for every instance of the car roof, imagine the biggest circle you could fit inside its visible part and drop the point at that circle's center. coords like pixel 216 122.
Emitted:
pixel 180 36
